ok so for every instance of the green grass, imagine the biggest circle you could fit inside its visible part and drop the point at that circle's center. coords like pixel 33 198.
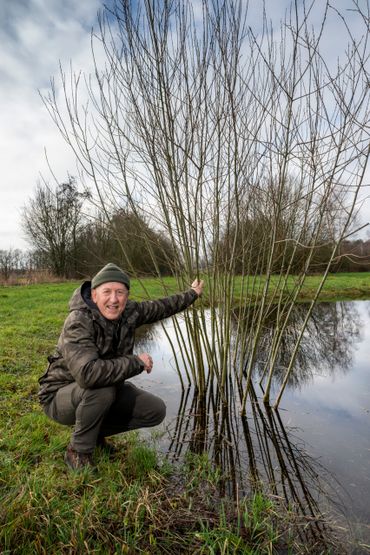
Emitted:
pixel 346 286
pixel 132 504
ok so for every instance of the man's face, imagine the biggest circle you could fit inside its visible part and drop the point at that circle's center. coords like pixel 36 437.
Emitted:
pixel 110 298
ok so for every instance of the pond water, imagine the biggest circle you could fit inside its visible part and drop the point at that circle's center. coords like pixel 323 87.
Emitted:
pixel 315 450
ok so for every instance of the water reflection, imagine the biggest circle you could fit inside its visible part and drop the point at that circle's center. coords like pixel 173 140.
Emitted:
pixel 327 342
pixel 260 450
pixel 255 452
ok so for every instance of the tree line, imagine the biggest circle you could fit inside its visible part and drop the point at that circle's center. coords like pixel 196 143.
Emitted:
pixel 69 242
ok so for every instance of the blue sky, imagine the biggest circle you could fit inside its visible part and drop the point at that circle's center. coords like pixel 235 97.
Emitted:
pixel 35 35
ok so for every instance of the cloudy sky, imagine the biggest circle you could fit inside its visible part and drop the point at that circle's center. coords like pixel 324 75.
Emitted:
pixel 35 36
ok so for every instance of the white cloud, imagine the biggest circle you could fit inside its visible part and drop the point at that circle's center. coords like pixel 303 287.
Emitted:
pixel 35 35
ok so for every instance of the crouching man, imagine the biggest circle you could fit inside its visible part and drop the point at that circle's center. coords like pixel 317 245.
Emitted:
pixel 86 385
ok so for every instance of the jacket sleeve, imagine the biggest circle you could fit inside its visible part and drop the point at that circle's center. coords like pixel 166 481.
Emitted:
pixel 83 361
pixel 152 311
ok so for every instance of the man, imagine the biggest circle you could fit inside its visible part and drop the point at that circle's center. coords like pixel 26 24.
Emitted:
pixel 85 384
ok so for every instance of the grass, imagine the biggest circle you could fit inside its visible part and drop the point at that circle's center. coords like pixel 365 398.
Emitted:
pixel 135 503
pixel 126 506
pixel 341 286
pixel 345 286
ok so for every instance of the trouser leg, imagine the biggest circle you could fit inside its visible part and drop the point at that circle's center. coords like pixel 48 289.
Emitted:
pixel 132 408
pixel 86 409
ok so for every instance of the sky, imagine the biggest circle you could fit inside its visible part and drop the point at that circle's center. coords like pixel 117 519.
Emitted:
pixel 36 36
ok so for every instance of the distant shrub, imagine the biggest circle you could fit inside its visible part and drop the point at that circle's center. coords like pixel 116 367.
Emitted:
pixel 30 277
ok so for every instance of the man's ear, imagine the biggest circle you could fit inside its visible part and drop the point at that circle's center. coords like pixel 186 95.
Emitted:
pixel 93 295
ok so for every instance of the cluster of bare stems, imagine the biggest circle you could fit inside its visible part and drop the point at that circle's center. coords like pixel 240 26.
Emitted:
pixel 247 149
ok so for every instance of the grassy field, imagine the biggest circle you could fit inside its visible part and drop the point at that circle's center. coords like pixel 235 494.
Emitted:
pixel 135 503
pixel 346 286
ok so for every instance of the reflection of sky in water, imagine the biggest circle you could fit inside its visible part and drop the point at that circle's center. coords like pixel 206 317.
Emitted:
pixel 333 414
pixel 331 411
pixel 163 380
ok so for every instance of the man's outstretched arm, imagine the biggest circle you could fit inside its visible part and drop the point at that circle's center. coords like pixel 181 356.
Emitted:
pixel 152 311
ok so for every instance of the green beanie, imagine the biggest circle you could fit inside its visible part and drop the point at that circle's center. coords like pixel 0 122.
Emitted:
pixel 110 272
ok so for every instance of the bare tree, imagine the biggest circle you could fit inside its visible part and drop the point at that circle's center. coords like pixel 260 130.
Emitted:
pixel 146 251
pixel 52 221
pixel 10 261
pixel 200 124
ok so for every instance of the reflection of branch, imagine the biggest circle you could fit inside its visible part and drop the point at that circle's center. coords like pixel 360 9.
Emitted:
pixel 250 448
pixel 177 442
pixel 326 344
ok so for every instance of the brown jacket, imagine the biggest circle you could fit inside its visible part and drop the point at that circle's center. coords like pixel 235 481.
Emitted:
pixel 96 352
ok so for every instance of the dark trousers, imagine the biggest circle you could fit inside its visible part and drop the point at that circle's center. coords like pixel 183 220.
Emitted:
pixel 97 413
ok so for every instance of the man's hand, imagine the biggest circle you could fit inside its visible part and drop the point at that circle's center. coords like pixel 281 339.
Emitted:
pixel 198 286
pixel 147 360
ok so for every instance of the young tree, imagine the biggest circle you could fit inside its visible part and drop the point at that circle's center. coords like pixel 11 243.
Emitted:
pixel 196 118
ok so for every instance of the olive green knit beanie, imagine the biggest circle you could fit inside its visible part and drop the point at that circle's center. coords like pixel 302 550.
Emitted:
pixel 110 272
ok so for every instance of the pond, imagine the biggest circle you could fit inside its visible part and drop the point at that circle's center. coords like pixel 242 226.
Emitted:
pixel 315 450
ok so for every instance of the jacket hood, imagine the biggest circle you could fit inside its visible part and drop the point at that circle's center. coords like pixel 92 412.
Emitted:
pixel 81 298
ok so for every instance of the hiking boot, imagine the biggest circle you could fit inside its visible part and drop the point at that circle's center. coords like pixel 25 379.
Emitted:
pixel 76 460
pixel 106 446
